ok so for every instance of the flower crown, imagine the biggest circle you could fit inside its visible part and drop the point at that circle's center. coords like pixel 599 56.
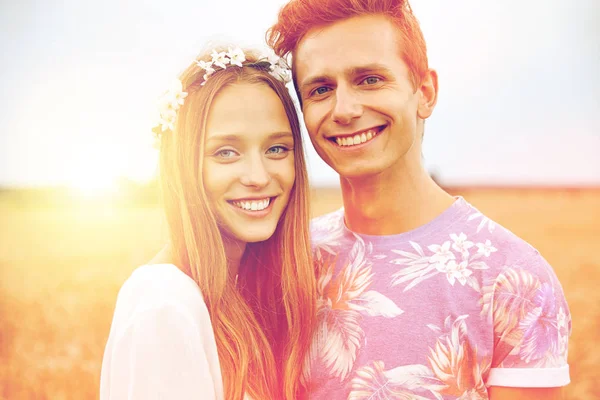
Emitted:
pixel 174 97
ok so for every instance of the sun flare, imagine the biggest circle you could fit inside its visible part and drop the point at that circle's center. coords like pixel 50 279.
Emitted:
pixel 90 184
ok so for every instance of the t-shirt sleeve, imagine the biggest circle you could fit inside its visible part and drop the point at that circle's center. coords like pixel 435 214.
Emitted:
pixel 531 322
pixel 160 355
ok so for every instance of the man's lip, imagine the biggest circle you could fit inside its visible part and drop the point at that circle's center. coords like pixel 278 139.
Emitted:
pixel 377 128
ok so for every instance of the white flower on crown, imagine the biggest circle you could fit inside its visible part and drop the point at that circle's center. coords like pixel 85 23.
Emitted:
pixel 208 73
pixel 271 57
pixel 175 95
pixel 279 68
pixel 174 98
pixel 281 73
pixel 167 119
pixel 206 66
pixel 220 59
pixel 169 103
pixel 236 56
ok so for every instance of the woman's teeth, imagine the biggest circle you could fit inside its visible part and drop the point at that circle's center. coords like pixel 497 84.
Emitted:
pixel 357 139
pixel 252 205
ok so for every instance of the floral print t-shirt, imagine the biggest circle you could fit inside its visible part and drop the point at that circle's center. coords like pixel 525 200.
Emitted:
pixel 441 312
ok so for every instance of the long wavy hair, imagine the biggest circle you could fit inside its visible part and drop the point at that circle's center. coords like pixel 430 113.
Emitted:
pixel 263 318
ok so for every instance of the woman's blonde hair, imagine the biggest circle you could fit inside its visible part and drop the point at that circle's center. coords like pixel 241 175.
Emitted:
pixel 262 320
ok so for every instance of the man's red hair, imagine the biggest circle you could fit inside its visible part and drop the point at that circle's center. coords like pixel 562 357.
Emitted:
pixel 297 17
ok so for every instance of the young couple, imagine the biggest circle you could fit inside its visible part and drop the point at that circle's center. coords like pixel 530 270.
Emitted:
pixel 405 293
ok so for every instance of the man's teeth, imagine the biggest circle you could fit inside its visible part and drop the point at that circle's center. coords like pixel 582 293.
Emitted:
pixel 252 205
pixel 356 139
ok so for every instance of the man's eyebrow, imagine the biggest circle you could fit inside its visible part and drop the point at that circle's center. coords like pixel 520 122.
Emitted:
pixel 314 80
pixel 369 68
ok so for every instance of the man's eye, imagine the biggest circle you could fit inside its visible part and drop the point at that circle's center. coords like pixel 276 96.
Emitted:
pixel 321 90
pixel 371 80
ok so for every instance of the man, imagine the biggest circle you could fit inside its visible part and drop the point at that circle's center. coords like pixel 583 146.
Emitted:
pixel 421 296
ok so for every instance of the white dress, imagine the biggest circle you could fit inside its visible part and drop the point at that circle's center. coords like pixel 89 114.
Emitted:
pixel 161 343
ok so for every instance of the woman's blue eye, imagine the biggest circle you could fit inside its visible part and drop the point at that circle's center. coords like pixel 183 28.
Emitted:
pixel 225 153
pixel 277 150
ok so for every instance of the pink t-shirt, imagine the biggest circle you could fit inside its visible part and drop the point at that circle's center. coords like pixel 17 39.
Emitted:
pixel 440 312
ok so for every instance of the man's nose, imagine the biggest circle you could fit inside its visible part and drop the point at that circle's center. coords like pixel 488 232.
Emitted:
pixel 347 106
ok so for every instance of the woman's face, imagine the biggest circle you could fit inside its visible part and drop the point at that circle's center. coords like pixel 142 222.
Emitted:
pixel 248 166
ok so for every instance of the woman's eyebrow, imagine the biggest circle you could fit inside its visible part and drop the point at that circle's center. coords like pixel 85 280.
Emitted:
pixel 280 135
pixel 237 137
pixel 225 137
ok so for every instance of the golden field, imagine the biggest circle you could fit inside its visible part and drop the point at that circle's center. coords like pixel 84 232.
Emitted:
pixel 61 269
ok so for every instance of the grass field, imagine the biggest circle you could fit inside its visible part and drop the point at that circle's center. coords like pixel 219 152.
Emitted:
pixel 61 268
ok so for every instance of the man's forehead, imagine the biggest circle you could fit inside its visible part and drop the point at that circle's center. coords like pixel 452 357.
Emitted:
pixel 350 43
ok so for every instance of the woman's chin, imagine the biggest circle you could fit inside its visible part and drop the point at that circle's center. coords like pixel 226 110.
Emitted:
pixel 257 236
pixel 251 234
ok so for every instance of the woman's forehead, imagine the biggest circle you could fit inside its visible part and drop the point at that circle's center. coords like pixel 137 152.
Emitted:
pixel 245 109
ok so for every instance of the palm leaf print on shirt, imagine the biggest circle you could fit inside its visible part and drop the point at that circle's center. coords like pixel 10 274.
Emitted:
pixel 343 301
pixel 455 370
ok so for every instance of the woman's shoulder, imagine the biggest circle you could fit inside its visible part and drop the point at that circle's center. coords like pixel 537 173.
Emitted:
pixel 160 328
pixel 162 278
pixel 156 287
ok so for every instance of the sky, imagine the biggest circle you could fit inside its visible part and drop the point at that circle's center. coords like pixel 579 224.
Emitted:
pixel 519 98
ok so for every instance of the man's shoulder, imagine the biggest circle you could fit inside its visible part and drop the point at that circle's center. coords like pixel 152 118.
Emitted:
pixel 325 223
pixel 490 236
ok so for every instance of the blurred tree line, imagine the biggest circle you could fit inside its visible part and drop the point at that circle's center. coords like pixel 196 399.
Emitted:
pixel 126 193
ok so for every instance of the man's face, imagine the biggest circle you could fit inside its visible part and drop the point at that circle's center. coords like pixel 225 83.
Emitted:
pixel 359 105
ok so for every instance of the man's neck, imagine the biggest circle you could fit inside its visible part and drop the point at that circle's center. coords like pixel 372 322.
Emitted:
pixel 395 201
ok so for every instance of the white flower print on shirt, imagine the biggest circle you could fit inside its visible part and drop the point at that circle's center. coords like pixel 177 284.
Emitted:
pixel 442 253
pixel 461 244
pixel 419 266
pixel 486 248
pixel 455 271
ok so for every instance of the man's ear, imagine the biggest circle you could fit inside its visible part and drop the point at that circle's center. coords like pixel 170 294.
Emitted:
pixel 428 92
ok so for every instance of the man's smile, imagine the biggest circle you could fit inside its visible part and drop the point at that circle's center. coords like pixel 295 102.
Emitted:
pixel 356 138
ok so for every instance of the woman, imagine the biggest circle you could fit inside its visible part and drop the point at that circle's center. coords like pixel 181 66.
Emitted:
pixel 238 282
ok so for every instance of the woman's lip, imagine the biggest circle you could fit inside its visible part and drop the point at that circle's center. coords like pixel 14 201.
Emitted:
pixel 252 198
pixel 256 213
